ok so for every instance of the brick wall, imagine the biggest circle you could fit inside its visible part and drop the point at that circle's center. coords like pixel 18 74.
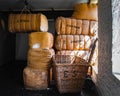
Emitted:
pixel 107 84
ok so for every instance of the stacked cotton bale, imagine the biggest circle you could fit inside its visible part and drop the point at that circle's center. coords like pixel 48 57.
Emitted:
pixel 35 75
pixel 75 36
pixel 40 52
pixel 74 39
pixel 27 23
pixel 89 11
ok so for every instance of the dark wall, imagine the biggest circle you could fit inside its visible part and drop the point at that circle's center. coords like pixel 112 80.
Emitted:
pixel 7 45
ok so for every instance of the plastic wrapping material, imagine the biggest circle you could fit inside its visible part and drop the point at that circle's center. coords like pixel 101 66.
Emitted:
pixel 82 54
pixel 58 25
pixel 64 42
pixel 76 42
pixel 41 53
pixel 85 27
pixel 35 79
pixel 66 52
pixel 94 59
pixel 93 28
pixel 63 59
pixel 81 42
pixel 39 65
pixel 72 26
pixel 73 29
pixel 68 26
pixel 93 1
pixel 72 42
pixel 59 42
pixel 69 42
pixel 63 26
pixel 34 22
pixel 40 40
pixel 87 42
pixel 27 22
pixel 43 23
pixel 79 27
pixel 86 11
pixel 40 59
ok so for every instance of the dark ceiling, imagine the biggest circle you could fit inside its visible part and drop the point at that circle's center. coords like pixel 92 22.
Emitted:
pixel 38 5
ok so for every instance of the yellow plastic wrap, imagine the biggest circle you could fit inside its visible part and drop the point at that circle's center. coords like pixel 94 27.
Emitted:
pixel 72 42
pixel 67 26
pixel 72 26
pixel 85 11
pixel 40 59
pixel 35 79
pixel 27 22
pixel 40 40
pixel 81 53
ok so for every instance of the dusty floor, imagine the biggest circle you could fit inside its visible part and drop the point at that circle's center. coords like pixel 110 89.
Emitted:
pixel 11 83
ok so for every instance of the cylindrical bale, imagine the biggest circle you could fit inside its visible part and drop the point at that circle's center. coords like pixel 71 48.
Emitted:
pixel 27 22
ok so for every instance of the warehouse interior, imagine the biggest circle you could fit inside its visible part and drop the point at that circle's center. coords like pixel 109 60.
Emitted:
pixel 105 78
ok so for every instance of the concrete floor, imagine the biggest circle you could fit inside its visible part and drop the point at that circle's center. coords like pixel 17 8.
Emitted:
pixel 11 83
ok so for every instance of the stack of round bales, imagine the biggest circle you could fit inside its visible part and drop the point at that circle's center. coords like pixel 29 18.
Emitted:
pixel 75 36
pixel 40 52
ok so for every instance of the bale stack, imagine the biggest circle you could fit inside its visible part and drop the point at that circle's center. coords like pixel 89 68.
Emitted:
pixel 89 11
pixel 75 39
pixel 36 74
pixel 73 44
pixel 75 36
pixel 40 52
